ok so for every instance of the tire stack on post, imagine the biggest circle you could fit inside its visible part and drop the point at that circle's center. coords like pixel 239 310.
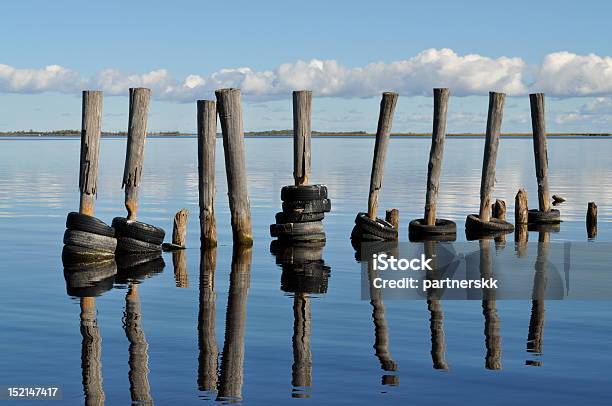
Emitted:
pixel 367 226
pixel 430 228
pixel 482 225
pixel 88 239
pixel 134 236
pixel 304 205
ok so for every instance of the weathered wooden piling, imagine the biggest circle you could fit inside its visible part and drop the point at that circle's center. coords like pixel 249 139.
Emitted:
pixel 494 120
pixel 591 220
pixel 434 168
pixel 383 133
pixel 521 207
pixel 538 124
pixel 179 229
pixel 230 115
pixel 302 107
pixel 91 125
pixel 207 138
pixel 392 216
pixel 134 158
pixel 498 210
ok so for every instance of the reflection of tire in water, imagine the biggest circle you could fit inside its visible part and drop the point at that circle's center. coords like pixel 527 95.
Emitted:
pixel 90 279
pixel 135 268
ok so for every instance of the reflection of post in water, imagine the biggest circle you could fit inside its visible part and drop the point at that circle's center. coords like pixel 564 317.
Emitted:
pixel 179 261
pixel 91 351
pixel 209 354
pixel 232 362
pixel 489 310
pixel 139 370
pixel 536 321
pixel 301 370
pixel 381 331
pixel 436 315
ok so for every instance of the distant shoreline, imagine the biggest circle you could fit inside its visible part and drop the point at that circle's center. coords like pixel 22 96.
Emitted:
pixel 280 134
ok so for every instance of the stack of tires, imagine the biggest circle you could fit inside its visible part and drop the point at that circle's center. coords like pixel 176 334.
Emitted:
pixel 304 270
pixel 87 239
pixel 136 237
pixel 368 230
pixel 304 208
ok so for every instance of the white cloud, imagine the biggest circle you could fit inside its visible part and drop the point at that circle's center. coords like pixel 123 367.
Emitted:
pixel 560 74
pixel 565 74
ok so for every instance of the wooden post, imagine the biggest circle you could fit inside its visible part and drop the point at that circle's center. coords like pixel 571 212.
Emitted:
pixel 434 168
pixel 91 124
pixel 134 157
pixel 383 133
pixel 499 210
pixel 230 115
pixel 521 208
pixel 591 220
pixel 302 104
pixel 207 138
pixel 494 120
pixel 179 230
pixel 392 216
pixel 538 124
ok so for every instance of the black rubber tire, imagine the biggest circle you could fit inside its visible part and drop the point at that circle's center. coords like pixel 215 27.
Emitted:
pixel 90 224
pixel 127 244
pixel 303 192
pixel 294 229
pixel 379 227
pixel 73 255
pixel 475 224
pixel 544 217
pixel 358 235
pixel 298 217
pixel 308 206
pixel 138 230
pixel 277 246
pixel 418 228
pixel 95 242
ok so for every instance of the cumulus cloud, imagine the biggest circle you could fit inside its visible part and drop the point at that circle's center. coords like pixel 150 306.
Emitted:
pixel 560 74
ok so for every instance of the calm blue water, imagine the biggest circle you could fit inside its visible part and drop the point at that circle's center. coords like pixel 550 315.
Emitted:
pixel 156 356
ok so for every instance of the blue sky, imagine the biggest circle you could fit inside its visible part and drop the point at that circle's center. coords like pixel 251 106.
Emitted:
pixel 346 51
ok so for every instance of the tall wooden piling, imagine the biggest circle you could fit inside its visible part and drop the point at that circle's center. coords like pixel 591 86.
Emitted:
pixel 591 220
pixel 538 124
pixel 230 115
pixel 134 157
pixel 207 138
pixel 302 107
pixel 494 120
pixel 91 124
pixel 434 168
pixel 383 133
